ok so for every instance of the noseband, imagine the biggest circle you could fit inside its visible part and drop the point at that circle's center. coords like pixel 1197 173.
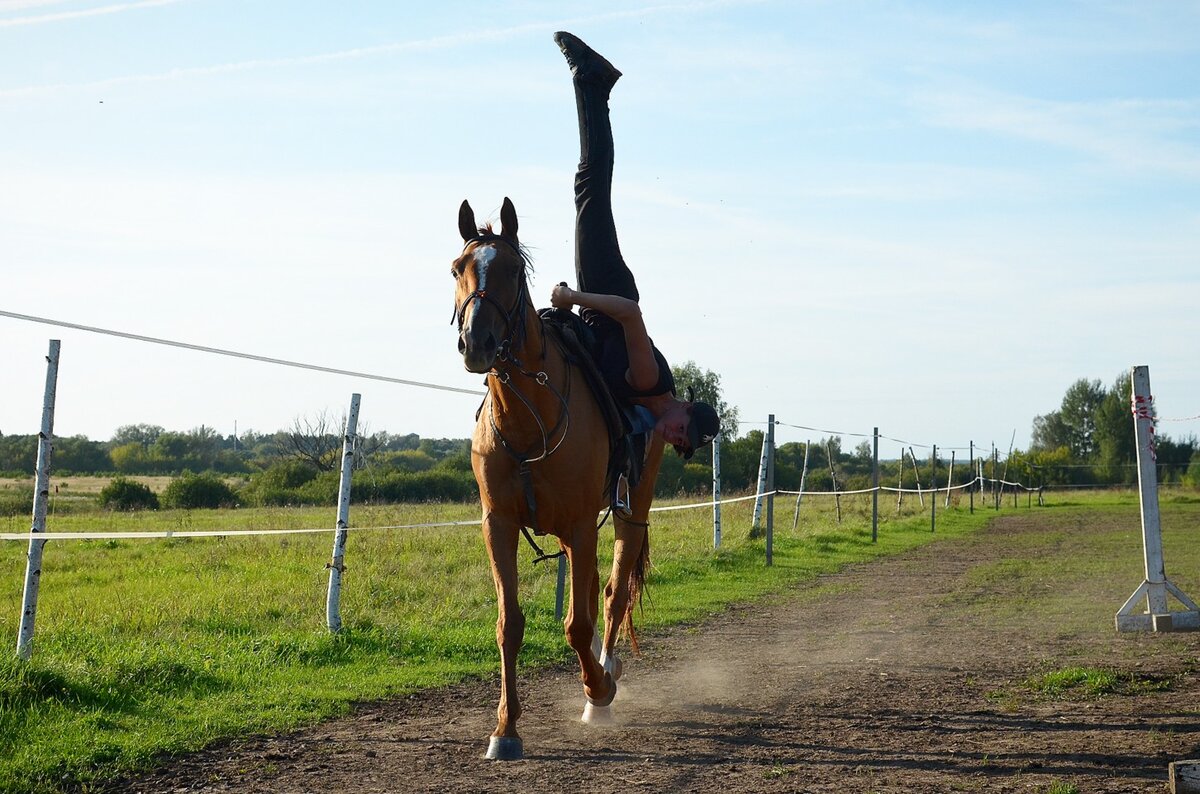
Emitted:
pixel 514 318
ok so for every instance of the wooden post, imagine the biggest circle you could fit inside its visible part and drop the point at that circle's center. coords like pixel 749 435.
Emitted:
pixel 41 497
pixel 971 486
pixel 900 483
pixel 875 486
pixel 333 600
pixel 755 523
pixel 803 476
pixel 933 489
pixel 950 479
pixel 770 488
pixel 1155 587
pixel 837 497
pixel 917 474
pixel 716 488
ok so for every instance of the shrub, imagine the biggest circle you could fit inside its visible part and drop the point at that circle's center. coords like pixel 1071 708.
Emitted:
pixel 190 491
pixel 279 485
pixel 126 494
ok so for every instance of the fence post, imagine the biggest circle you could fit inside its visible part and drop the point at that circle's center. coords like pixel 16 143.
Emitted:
pixel 971 487
pixel 950 479
pixel 770 488
pixel 933 490
pixel 917 474
pixel 803 476
pixel 560 587
pixel 875 487
pixel 333 617
pixel 41 498
pixel 755 523
pixel 716 474
pixel 837 496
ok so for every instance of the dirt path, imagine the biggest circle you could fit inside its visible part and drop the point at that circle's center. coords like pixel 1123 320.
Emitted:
pixel 879 679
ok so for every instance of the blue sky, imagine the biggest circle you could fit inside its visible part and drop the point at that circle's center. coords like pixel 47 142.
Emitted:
pixel 928 217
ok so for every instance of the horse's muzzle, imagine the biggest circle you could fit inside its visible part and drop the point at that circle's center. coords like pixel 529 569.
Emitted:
pixel 478 355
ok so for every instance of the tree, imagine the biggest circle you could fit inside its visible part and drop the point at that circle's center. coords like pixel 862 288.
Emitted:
pixel 1078 413
pixel 1115 438
pixel 142 434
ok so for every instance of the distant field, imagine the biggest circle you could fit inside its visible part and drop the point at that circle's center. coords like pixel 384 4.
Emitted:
pixel 88 486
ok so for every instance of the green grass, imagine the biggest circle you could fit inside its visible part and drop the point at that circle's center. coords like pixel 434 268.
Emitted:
pixel 146 647
pixel 1089 683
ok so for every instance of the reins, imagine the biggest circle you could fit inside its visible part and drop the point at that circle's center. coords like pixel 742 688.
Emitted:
pixel 514 336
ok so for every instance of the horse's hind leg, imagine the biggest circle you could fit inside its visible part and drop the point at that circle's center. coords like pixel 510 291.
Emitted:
pixel 630 556
pixel 501 539
pixel 580 623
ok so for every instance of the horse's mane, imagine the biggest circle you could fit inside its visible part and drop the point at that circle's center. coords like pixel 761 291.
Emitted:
pixel 486 232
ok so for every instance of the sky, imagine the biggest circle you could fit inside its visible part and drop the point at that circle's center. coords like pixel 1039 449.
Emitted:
pixel 926 217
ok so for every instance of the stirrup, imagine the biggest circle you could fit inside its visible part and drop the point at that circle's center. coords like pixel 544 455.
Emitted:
pixel 620 503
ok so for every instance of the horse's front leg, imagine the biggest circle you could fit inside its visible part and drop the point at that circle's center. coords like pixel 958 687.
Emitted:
pixel 580 623
pixel 501 535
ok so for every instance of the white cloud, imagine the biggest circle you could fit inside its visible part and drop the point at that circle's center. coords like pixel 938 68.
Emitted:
pixel 1130 134
pixel 61 16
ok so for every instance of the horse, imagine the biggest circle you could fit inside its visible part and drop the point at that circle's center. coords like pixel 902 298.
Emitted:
pixel 540 456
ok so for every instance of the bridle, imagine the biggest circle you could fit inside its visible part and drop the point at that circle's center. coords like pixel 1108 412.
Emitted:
pixel 514 317
pixel 514 335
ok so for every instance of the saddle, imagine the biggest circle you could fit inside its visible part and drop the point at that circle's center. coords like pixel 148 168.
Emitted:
pixel 626 449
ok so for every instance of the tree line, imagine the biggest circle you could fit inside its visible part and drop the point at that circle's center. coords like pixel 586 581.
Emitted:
pixel 1090 440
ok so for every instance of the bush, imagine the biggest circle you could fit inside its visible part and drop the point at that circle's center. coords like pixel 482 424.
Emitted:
pixel 189 491
pixel 437 485
pixel 16 501
pixel 126 494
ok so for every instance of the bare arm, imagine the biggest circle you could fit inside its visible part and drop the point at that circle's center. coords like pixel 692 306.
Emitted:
pixel 643 369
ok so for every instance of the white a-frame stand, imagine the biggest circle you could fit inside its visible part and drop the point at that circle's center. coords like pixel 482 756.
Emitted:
pixel 1156 586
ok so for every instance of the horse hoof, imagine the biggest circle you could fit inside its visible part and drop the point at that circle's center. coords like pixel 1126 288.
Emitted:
pixel 597 715
pixel 504 748
pixel 612 692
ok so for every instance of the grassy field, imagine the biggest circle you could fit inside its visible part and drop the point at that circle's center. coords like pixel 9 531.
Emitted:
pixel 152 646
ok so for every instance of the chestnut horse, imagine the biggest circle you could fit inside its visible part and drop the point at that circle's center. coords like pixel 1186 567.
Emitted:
pixel 540 456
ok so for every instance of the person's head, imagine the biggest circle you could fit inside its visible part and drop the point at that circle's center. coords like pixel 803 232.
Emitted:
pixel 688 425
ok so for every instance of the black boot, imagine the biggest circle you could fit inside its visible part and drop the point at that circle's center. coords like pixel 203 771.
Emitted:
pixel 586 64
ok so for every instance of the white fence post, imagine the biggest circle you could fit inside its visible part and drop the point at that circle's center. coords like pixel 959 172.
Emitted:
pixel 771 489
pixel 800 493
pixel 1155 587
pixel 333 616
pixel 762 484
pixel 716 472
pixel 41 498
pixel 875 485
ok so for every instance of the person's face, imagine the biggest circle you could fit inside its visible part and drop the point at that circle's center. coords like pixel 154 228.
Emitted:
pixel 673 424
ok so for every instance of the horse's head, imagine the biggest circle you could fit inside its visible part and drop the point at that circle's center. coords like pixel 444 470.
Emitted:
pixel 490 288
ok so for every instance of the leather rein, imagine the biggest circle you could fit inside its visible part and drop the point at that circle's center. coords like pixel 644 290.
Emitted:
pixel 514 327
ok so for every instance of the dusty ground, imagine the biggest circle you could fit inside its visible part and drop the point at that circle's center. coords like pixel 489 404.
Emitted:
pixel 879 679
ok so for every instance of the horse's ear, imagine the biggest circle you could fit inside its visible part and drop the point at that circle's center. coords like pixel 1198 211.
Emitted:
pixel 466 222
pixel 508 219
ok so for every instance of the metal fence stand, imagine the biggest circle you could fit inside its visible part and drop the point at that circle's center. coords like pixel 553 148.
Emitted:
pixel 1155 587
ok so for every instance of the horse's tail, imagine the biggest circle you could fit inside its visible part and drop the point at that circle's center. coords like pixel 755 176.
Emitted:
pixel 637 587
